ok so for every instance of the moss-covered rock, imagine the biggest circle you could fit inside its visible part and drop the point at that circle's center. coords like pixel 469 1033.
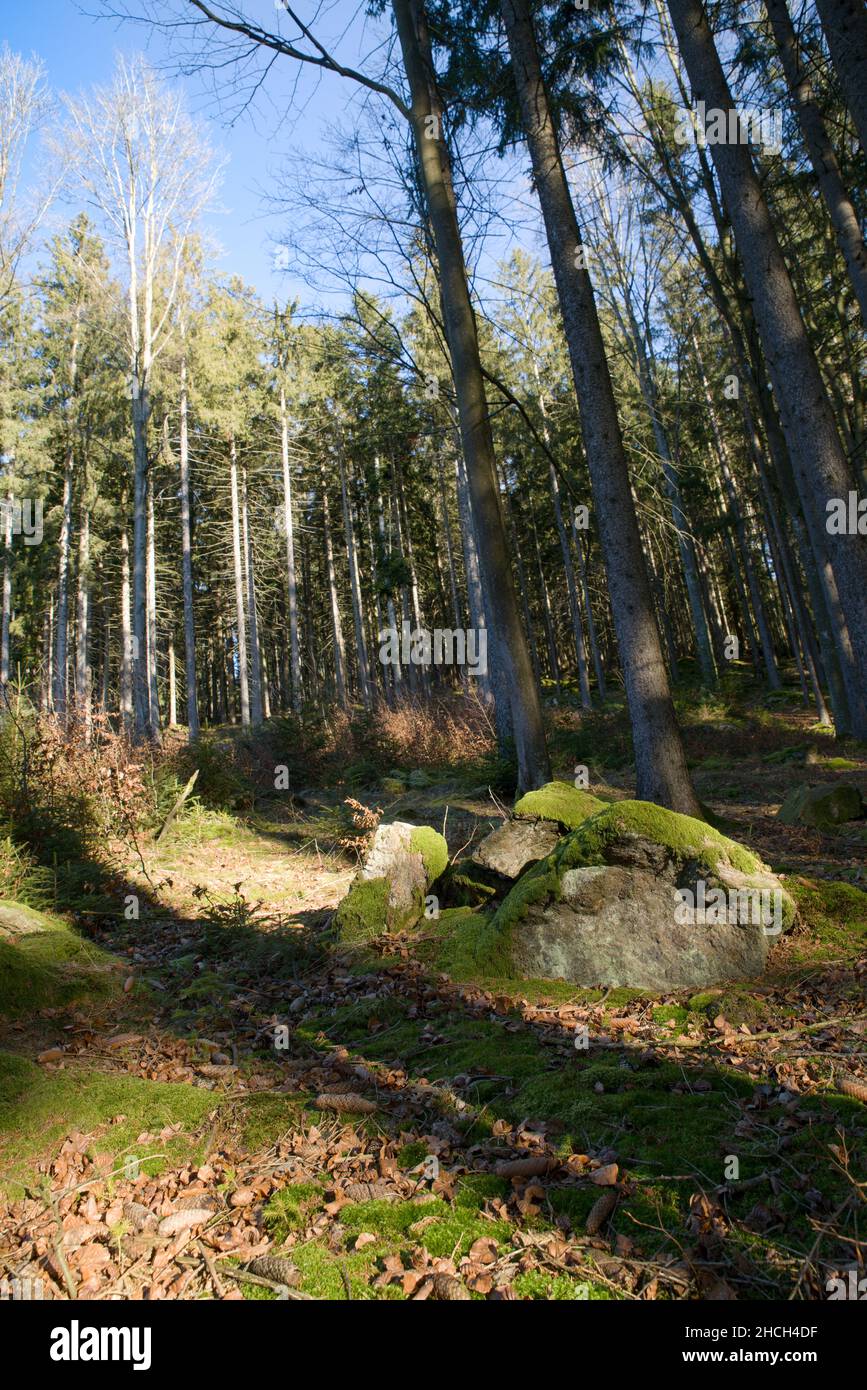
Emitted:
pixel 45 964
pixel 568 806
pixel 363 913
pixel 389 892
pixel 431 845
pixel 637 896
pixel 467 884
pixel 508 850
pixel 823 807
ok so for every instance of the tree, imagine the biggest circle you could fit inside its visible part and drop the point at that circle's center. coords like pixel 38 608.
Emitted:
pixel 821 467
pixel 141 163
pixel 660 760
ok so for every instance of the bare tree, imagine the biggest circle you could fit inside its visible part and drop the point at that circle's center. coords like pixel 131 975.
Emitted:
pixel 147 172
pixel 24 103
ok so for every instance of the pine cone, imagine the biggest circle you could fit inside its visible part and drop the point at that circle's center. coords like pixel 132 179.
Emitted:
pixel 346 1103
pixel 600 1211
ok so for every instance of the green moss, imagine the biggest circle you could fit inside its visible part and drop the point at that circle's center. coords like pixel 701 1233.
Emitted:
pixel 449 1230
pixel 39 1108
pixel 363 913
pixel 559 801
pixel 687 837
pixel 835 913
pixel 551 1288
pixel 49 966
pixel 823 807
pixel 293 1208
pixel 671 1013
pixel 707 999
pixel 466 884
pixel 433 849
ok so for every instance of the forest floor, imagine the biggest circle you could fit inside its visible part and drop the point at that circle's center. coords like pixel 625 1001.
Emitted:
pixel 216 1084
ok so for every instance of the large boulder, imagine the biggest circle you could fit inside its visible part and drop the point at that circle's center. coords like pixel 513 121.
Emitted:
pixel 641 897
pixel 823 806
pixel 16 919
pixel 389 891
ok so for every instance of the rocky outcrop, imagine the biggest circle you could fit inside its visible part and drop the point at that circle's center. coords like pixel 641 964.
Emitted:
pixel 642 897
pixel 510 848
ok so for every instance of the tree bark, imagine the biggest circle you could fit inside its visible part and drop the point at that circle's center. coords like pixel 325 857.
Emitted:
pixel 240 618
pixel 845 26
pixel 504 615
pixel 187 555
pixel 818 459
pixel 660 760
pixel 844 218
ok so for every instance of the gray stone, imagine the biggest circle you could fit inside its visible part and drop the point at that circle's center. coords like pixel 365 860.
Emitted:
pixel 616 926
pixel 514 845
pixel 18 920
pixel 391 856
pixel 823 806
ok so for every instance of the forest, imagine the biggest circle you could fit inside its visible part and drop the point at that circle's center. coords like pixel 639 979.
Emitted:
pixel 433 653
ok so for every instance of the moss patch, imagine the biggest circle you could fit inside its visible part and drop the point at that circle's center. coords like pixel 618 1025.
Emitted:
pixel 50 966
pixel 39 1108
pixel 433 850
pixel 363 913
pixel 561 802
pixel 835 913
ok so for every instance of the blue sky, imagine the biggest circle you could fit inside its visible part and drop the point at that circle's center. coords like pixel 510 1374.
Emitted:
pixel 79 51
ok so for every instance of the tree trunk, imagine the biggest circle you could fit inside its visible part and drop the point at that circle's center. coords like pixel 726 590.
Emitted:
pixel 291 581
pixel 820 465
pixel 475 425
pixel 844 218
pixel 63 550
pixel 141 685
pixel 82 619
pixel 127 641
pixel 240 619
pixel 153 688
pixel 187 561
pixel 354 583
pixel 336 624
pixel 660 760
pixel 252 615
pixel 845 25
